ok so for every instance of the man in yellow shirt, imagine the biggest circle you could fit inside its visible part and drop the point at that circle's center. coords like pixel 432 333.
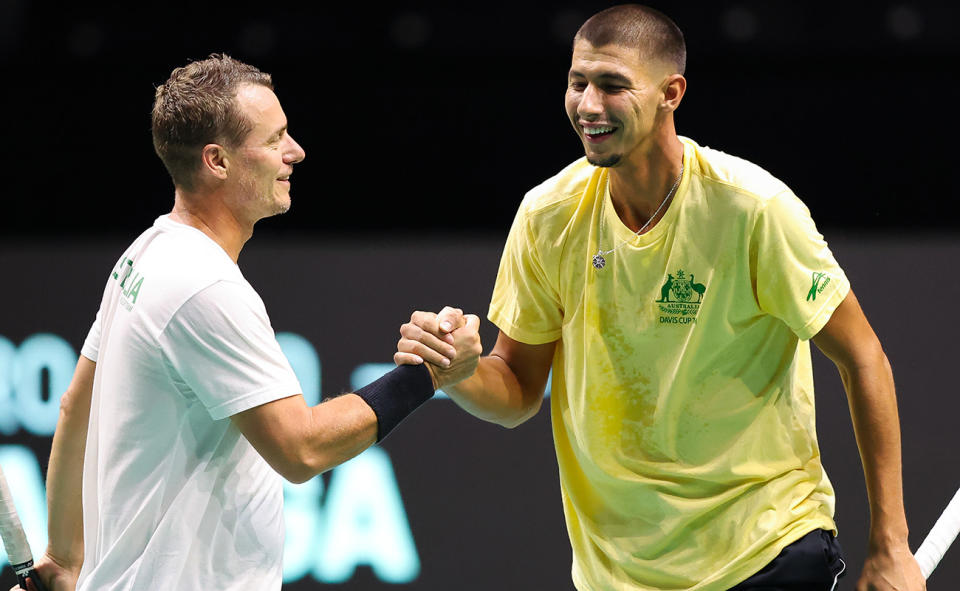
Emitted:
pixel 673 289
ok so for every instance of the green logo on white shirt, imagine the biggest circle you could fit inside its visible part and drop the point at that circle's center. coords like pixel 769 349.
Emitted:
pixel 130 281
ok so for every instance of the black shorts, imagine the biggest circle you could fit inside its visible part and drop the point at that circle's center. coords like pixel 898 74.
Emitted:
pixel 812 563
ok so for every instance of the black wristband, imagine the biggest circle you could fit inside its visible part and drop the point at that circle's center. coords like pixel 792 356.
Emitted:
pixel 397 394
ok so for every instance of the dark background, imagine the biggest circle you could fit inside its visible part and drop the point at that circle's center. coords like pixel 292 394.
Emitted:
pixel 424 124
pixel 483 502
pixel 436 117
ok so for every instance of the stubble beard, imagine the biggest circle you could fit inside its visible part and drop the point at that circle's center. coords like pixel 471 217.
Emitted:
pixel 606 162
pixel 280 205
pixel 263 204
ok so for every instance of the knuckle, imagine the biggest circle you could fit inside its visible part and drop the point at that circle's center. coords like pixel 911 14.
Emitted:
pixel 420 318
pixel 426 352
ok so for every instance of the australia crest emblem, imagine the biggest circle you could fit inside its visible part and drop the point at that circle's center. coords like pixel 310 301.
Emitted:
pixel 680 298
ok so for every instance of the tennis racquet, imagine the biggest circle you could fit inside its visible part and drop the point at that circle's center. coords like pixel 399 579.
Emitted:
pixel 943 534
pixel 15 541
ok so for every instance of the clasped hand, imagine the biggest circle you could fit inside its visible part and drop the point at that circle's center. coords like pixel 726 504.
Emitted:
pixel 449 342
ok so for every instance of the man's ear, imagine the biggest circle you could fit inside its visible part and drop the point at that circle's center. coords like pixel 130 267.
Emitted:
pixel 215 161
pixel 674 87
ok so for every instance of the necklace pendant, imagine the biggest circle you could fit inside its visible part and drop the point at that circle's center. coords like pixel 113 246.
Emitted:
pixel 599 261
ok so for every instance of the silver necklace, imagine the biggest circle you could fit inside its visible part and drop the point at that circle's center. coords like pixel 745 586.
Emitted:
pixel 598 259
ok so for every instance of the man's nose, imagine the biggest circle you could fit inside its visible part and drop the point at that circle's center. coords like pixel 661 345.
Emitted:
pixel 295 153
pixel 591 103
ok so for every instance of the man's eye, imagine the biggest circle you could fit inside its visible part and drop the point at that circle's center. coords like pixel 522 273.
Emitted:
pixel 577 85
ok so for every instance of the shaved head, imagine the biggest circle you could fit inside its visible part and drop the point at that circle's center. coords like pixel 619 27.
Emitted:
pixel 641 27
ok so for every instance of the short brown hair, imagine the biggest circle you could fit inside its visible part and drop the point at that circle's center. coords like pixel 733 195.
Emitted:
pixel 198 106
pixel 634 25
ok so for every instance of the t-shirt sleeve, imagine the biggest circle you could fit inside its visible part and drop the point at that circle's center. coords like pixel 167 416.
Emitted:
pixel 525 303
pixel 798 280
pixel 220 347
pixel 91 345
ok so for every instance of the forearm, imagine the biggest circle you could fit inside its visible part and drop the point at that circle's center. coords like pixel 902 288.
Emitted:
pixel 65 470
pixel 495 394
pixel 505 387
pixel 850 342
pixel 873 409
pixel 338 430
pixel 300 441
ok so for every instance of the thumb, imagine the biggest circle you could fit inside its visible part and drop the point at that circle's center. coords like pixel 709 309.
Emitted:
pixel 472 322
pixel 449 319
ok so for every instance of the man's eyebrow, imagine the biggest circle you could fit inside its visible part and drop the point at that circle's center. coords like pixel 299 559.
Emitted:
pixel 279 133
pixel 617 78
pixel 605 77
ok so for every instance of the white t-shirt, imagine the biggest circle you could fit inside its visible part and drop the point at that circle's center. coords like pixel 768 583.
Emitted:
pixel 174 497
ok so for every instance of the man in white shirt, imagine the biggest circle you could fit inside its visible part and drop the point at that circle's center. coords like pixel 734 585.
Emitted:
pixel 174 495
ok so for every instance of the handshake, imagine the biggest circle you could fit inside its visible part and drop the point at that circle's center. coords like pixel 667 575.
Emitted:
pixel 449 343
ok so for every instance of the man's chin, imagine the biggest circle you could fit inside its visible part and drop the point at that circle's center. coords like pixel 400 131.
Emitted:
pixel 604 162
pixel 278 208
pixel 281 205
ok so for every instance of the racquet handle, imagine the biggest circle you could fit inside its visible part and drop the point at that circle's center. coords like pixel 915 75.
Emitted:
pixel 33 577
pixel 943 534
pixel 15 541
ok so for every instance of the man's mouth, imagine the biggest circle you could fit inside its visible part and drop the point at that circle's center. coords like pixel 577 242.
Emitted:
pixel 599 133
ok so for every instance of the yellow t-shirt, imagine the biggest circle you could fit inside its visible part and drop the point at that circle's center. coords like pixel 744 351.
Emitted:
pixel 682 393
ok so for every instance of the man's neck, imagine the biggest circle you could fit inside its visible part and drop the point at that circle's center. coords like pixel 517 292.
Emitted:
pixel 208 214
pixel 640 184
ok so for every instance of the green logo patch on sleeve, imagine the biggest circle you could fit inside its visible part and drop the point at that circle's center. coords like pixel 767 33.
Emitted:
pixel 820 281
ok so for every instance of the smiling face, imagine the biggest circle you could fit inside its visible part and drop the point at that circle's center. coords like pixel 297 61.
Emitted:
pixel 614 101
pixel 261 166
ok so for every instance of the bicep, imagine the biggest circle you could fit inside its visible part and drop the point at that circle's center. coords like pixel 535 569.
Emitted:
pixel 847 338
pixel 76 399
pixel 795 275
pixel 274 428
pixel 220 346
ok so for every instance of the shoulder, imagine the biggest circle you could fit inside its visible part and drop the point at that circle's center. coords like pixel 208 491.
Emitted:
pixel 186 257
pixel 223 306
pixel 169 264
pixel 557 198
pixel 228 294
pixel 723 175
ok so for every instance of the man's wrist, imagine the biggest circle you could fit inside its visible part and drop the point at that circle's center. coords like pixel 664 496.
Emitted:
pixel 890 536
pixel 397 394
pixel 433 375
